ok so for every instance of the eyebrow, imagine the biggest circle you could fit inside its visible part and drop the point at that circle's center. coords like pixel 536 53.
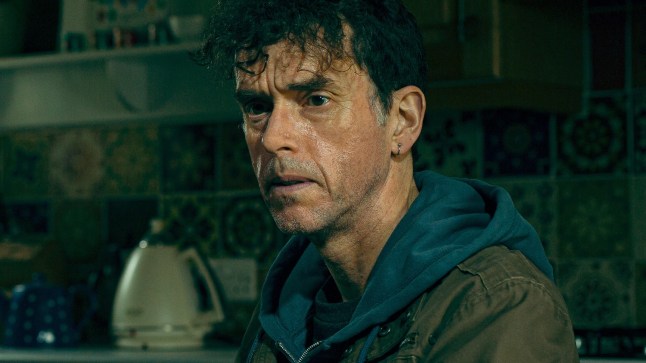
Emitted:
pixel 315 83
pixel 243 96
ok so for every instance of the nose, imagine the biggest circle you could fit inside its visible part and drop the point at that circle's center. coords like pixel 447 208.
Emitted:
pixel 279 133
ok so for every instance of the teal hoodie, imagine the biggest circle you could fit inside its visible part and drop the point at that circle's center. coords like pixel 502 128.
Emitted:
pixel 450 220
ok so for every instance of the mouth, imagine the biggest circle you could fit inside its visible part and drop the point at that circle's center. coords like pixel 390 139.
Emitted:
pixel 284 185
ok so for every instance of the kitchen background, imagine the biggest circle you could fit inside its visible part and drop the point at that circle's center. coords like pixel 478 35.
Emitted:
pixel 77 194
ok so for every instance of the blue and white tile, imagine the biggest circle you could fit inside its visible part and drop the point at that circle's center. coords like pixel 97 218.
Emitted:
pixel 595 143
pixel 594 218
pixel 516 142
pixel 638 209
pixel 188 158
pixel 132 160
pixel 77 162
pixel 28 217
pixel 640 133
pixel 192 219
pixel 78 226
pixel 536 200
pixel 26 168
pixel 598 292
pixel 451 144
pixel 248 230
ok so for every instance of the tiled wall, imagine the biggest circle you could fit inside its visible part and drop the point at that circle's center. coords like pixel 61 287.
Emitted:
pixel 93 189
pixel 90 192
pixel 573 179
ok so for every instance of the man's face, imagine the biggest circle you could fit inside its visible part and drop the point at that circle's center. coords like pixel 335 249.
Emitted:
pixel 317 148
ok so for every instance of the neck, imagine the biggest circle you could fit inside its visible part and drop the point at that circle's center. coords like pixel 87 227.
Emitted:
pixel 350 254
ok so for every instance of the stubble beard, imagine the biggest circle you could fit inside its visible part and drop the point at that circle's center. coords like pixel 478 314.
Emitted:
pixel 332 218
pixel 313 222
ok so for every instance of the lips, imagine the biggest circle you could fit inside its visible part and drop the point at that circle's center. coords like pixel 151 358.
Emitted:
pixel 281 182
pixel 283 185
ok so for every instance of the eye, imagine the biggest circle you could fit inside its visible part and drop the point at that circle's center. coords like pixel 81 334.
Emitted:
pixel 256 108
pixel 317 100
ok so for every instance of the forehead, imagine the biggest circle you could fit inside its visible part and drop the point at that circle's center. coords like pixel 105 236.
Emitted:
pixel 287 60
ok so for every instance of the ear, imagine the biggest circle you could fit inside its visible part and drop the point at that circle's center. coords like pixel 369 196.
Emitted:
pixel 409 107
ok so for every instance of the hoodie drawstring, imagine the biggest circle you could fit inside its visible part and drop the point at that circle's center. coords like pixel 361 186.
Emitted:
pixel 366 346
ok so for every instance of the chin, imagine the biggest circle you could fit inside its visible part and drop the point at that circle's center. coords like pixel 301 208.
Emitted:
pixel 291 224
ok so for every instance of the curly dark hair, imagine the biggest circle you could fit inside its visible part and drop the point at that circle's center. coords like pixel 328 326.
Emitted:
pixel 385 40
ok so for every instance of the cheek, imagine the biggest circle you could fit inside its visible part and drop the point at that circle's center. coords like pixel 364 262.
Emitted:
pixel 351 156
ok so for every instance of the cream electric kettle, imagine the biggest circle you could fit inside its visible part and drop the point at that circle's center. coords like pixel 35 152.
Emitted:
pixel 157 303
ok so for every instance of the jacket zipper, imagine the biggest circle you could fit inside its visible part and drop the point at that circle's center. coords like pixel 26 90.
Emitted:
pixel 299 360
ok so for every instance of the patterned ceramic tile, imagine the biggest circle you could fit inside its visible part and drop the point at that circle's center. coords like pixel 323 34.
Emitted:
pixel 233 156
pixel 26 163
pixel 516 142
pixel 31 218
pixel 77 226
pixel 76 165
pixel 234 326
pixel 594 219
pixel 536 202
pixel 129 219
pixel 450 143
pixel 132 160
pixel 231 225
pixel 598 293
pixel 248 230
pixel 188 158
pixel 640 293
pixel 594 143
pixel 638 200
pixel 193 220
pixel 640 133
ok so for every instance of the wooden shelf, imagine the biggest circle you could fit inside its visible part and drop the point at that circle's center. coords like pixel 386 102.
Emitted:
pixel 155 83
pixel 71 58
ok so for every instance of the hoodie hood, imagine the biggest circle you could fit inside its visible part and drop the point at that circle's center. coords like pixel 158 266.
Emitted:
pixel 450 220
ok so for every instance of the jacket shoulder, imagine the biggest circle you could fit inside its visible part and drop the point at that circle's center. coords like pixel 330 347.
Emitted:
pixel 498 278
pixel 497 265
pixel 495 306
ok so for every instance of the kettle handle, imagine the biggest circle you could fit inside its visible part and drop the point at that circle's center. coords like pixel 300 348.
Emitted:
pixel 216 314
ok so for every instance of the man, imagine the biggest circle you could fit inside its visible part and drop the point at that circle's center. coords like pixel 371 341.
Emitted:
pixel 384 264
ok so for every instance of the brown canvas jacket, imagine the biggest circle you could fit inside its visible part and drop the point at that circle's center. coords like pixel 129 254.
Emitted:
pixel 496 306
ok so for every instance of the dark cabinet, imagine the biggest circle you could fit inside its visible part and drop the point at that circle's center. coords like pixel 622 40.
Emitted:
pixel 503 53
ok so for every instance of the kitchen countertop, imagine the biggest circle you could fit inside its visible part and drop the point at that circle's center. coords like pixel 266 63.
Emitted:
pixel 207 355
pixel 612 360
pixel 210 355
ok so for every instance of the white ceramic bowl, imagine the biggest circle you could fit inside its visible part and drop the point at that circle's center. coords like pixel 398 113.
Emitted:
pixel 186 27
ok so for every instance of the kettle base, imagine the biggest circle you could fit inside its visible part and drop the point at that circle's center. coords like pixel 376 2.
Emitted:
pixel 159 340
